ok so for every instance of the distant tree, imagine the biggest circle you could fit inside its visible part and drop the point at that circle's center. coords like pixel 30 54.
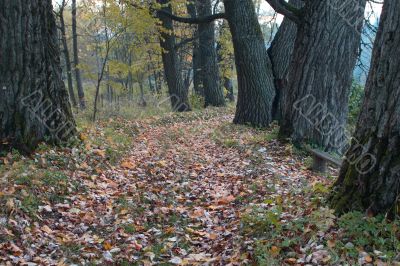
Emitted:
pixel 172 67
pixel 226 59
pixel 34 103
pixel 253 66
pixel 256 90
pixel 78 78
pixel 66 53
pixel 213 93
pixel 197 79
pixel 370 177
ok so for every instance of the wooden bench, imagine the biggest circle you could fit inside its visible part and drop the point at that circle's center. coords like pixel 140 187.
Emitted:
pixel 320 160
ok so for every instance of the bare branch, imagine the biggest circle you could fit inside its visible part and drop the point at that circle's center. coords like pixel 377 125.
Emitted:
pixel 284 8
pixel 190 20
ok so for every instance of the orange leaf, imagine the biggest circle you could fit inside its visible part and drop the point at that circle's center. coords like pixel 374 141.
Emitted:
pixel 275 251
pixel 226 200
pixel 128 165
pixel 368 259
pixel 212 236
pixel 291 261
pixel 101 153
pixel 107 246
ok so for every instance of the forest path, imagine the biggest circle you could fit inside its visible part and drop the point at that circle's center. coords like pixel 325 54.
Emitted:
pixel 186 186
pixel 192 189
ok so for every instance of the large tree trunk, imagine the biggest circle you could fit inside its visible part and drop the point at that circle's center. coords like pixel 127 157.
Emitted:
pixel 280 53
pixel 253 66
pixel 78 78
pixel 34 102
pixel 178 94
pixel 197 85
pixel 66 56
pixel 213 93
pixel 320 73
pixel 370 177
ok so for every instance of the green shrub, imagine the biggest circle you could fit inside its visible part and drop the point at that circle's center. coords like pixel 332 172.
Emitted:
pixel 196 101
pixel 355 102
pixel 371 233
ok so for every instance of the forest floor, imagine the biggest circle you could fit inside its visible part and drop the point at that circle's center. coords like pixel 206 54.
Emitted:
pixel 184 189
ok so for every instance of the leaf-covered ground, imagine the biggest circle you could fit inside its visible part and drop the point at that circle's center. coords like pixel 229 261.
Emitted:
pixel 190 189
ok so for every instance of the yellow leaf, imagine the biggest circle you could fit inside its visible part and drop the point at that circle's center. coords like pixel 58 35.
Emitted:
pixel 169 230
pixel 83 137
pixel 162 163
pixel 10 204
pixel 123 211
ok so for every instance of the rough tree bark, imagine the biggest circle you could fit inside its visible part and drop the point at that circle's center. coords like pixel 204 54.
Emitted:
pixel 172 69
pixel 280 53
pixel 253 66
pixel 81 94
pixel 66 55
pixel 321 70
pixel 34 104
pixel 370 177
pixel 213 93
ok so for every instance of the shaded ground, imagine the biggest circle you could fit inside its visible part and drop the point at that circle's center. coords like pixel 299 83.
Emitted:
pixel 198 191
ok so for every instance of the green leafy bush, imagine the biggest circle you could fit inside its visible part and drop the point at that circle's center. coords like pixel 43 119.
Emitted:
pixel 371 233
pixel 355 102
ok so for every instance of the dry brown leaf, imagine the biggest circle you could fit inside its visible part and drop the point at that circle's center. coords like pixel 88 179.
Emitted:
pixel 226 200
pixel 291 261
pixel 331 243
pixel 128 165
pixel 47 229
pixel 275 251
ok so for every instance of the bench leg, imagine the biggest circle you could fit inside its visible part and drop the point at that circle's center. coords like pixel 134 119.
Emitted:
pixel 319 164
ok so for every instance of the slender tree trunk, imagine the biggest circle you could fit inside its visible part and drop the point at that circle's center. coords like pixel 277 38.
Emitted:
pixel 78 78
pixel 142 101
pixel 178 94
pixel 253 66
pixel 213 93
pixel 320 73
pixel 197 78
pixel 228 84
pixel 159 81
pixel 370 177
pixel 66 56
pixel 151 86
pixel 34 104
pixel 227 66
pixel 280 53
